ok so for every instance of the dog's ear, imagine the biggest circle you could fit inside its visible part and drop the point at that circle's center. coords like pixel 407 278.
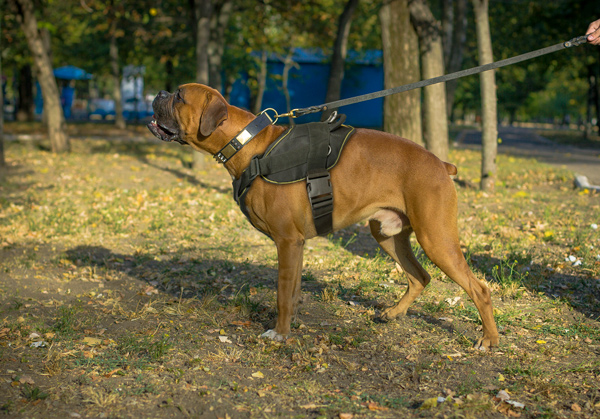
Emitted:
pixel 215 112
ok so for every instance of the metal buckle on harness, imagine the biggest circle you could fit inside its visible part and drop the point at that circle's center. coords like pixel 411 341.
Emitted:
pixel 320 193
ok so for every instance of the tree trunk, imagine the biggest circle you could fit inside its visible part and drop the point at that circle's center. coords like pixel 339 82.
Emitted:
pixel 59 140
pixel 432 65
pixel 216 47
pixel 262 83
pixel 340 50
pixel 2 159
pixel 488 97
pixel 113 53
pixel 288 64
pixel 590 102
pixel 25 104
pixel 169 72
pixel 402 112
pixel 456 39
pixel 202 11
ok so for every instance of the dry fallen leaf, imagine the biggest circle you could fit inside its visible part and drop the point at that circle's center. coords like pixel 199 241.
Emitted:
pixel 311 406
pixel 91 341
pixel 224 339
pixel 575 407
pixel 26 379
pixel 240 323
pixel 258 374
pixel 374 406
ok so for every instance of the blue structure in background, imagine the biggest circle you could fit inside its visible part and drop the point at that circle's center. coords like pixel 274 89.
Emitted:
pixel 67 92
pixel 307 86
pixel 70 72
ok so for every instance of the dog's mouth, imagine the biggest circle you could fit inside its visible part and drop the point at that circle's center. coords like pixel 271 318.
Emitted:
pixel 164 133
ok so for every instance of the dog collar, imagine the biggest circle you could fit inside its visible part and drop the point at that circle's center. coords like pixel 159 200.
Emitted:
pixel 243 137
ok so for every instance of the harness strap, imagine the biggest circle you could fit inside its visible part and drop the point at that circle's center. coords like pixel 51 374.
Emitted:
pixel 318 180
pixel 314 156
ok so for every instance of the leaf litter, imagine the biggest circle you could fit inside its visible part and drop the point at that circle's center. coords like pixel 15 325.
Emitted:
pixel 145 306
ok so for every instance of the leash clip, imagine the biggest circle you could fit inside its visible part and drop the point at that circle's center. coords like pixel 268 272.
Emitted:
pixel 575 42
pixel 295 113
pixel 275 117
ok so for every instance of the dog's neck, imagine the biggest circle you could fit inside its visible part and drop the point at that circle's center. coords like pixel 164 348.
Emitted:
pixel 236 121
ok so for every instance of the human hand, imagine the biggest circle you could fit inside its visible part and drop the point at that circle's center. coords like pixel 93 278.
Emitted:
pixel 593 32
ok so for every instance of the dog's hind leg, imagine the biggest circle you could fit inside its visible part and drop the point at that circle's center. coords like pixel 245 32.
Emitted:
pixel 398 247
pixel 440 243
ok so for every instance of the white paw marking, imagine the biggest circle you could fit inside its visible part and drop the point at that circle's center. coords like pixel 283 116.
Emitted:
pixel 273 335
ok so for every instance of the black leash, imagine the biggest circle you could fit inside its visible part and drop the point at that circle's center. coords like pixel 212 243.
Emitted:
pixel 480 69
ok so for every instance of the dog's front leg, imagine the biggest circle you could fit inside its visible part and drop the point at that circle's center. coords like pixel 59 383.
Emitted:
pixel 289 253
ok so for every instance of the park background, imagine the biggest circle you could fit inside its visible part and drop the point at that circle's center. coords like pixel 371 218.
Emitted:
pixel 132 286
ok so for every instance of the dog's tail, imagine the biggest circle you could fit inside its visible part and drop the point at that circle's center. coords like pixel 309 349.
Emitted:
pixel 451 169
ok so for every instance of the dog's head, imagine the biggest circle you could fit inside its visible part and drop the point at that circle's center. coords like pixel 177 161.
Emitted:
pixel 189 115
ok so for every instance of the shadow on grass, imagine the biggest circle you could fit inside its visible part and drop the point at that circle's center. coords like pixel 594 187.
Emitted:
pixel 189 178
pixel 220 280
pixel 578 291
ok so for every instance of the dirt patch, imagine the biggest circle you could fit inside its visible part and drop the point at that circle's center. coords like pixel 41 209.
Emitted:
pixel 131 287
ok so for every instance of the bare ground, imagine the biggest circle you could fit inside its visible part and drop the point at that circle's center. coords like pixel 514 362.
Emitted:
pixel 131 287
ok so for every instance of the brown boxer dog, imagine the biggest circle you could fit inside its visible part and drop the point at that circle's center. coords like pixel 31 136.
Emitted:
pixel 397 185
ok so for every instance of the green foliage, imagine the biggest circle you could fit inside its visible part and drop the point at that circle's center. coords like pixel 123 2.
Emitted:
pixel 161 37
pixel 66 321
pixel 147 347
pixel 33 394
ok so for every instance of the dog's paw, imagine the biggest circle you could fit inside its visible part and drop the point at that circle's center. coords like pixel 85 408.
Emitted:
pixel 273 335
pixel 390 313
pixel 486 344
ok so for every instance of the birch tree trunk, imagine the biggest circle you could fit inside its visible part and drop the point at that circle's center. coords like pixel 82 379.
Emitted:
pixel 59 141
pixel 340 50
pixel 432 65
pixel 402 112
pixel 488 97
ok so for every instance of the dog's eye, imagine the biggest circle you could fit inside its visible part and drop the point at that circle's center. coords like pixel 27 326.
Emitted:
pixel 178 97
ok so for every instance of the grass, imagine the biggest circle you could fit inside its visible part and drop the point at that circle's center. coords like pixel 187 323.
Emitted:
pixel 133 287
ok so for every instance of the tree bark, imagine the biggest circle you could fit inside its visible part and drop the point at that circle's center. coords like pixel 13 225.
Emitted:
pixel 216 47
pixel 488 97
pixel 402 112
pixel 262 83
pixel 2 158
pixel 113 53
pixel 202 10
pixel 432 65
pixel 456 39
pixel 288 64
pixel 59 141
pixel 340 51
pixel 25 105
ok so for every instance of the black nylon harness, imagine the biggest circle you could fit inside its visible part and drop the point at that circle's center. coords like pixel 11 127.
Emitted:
pixel 306 151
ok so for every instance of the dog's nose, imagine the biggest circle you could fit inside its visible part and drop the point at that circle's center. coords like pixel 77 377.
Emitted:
pixel 163 94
